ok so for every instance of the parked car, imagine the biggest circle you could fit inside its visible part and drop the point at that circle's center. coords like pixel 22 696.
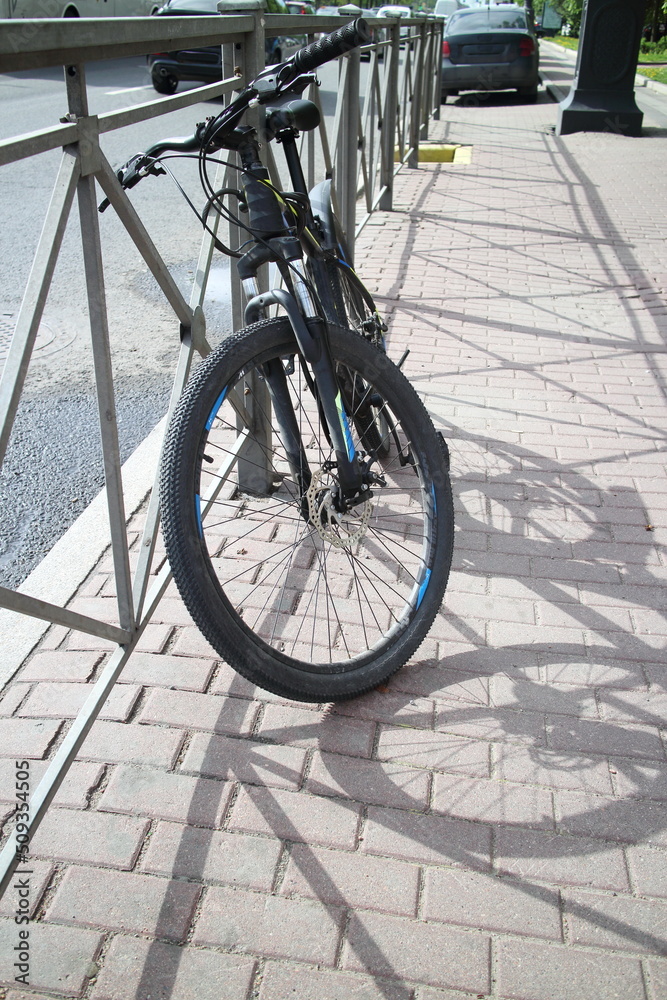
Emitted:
pixel 297 7
pixel 77 8
pixel 396 11
pixel 205 65
pixel 490 48
pixel 445 8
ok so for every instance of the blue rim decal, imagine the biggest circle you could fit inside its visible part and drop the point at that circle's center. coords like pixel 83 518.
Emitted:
pixel 341 257
pixel 422 589
pixel 216 406
pixel 347 434
pixel 200 529
pixel 435 506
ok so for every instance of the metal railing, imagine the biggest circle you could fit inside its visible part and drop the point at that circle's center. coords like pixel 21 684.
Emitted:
pixel 358 152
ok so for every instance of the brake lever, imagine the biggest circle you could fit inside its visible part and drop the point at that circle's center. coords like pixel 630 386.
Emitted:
pixel 283 82
pixel 132 172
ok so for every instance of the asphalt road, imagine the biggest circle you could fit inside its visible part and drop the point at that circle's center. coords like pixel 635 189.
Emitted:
pixel 53 466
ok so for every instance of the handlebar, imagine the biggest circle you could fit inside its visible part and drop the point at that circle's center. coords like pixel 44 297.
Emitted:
pixel 331 46
pixel 266 87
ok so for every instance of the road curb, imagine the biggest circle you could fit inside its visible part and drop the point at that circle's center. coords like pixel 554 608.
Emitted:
pixel 60 574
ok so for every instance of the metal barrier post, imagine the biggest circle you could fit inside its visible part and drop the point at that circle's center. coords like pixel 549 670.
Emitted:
pixel 437 29
pixel 425 63
pixel 346 161
pixel 415 108
pixel 392 54
pixel 90 162
pixel 255 473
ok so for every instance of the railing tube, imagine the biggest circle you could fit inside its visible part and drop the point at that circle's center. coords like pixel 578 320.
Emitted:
pixel 390 115
pixel 347 162
pixel 415 111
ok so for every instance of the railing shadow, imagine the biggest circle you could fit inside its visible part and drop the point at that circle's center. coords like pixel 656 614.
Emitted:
pixel 549 726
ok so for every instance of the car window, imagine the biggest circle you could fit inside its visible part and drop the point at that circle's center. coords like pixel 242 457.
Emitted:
pixel 394 12
pixel 190 7
pixel 485 20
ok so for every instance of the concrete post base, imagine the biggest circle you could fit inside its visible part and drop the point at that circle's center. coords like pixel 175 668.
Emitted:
pixel 602 96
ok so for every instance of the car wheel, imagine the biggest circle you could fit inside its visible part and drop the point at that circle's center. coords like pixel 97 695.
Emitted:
pixel 165 84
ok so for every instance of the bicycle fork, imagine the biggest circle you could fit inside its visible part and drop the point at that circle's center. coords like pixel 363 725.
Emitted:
pixel 311 337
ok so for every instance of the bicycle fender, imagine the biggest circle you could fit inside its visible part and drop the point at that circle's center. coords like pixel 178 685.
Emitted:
pixel 320 200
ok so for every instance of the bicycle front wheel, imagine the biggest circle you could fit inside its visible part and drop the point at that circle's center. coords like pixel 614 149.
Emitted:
pixel 304 602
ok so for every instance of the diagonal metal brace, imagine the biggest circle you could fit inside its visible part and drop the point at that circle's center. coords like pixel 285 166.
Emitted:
pixel 128 215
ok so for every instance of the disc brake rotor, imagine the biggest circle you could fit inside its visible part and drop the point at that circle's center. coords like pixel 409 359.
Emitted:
pixel 340 530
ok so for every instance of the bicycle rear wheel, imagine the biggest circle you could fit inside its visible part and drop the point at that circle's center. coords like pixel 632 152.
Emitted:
pixel 346 302
pixel 305 603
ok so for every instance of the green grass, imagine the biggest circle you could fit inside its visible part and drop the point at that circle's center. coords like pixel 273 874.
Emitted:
pixel 658 73
pixel 565 41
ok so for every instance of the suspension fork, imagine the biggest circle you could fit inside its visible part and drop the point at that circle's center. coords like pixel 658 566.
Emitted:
pixel 311 337
pixel 290 432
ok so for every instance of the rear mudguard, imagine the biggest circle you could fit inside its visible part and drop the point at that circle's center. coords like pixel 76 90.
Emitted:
pixel 320 200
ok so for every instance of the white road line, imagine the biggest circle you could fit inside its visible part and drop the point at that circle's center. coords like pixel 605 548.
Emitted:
pixel 127 90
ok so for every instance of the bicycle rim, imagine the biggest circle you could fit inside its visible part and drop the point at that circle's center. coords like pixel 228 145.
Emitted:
pixel 271 574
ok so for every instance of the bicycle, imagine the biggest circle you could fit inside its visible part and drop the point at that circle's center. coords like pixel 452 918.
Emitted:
pixel 305 497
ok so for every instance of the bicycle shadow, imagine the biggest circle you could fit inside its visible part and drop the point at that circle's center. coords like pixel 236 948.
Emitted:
pixel 516 697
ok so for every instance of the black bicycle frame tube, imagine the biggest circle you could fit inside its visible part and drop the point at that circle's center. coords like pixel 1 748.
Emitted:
pixel 276 380
pixel 294 163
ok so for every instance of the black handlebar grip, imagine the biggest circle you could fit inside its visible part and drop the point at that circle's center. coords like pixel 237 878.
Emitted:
pixel 331 46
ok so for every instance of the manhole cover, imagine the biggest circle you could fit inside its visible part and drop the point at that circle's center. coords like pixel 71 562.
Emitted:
pixel 46 342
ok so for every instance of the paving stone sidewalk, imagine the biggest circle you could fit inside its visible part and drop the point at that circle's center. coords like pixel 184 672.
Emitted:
pixel 494 823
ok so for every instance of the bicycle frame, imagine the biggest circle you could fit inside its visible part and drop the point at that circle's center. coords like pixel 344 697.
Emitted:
pixel 267 208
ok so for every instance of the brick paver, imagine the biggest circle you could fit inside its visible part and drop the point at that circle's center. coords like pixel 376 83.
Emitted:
pixel 492 821
pixel 149 792
pixel 135 967
pixel 212 856
pixel 62 959
pixel 268 925
pixel 89 838
pixel 124 901
pixel 344 878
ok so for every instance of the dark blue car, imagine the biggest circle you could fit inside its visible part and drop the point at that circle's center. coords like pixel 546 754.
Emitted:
pixel 205 65
pixel 490 48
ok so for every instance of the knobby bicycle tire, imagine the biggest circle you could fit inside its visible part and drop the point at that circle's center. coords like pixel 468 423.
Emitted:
pixel 306 604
